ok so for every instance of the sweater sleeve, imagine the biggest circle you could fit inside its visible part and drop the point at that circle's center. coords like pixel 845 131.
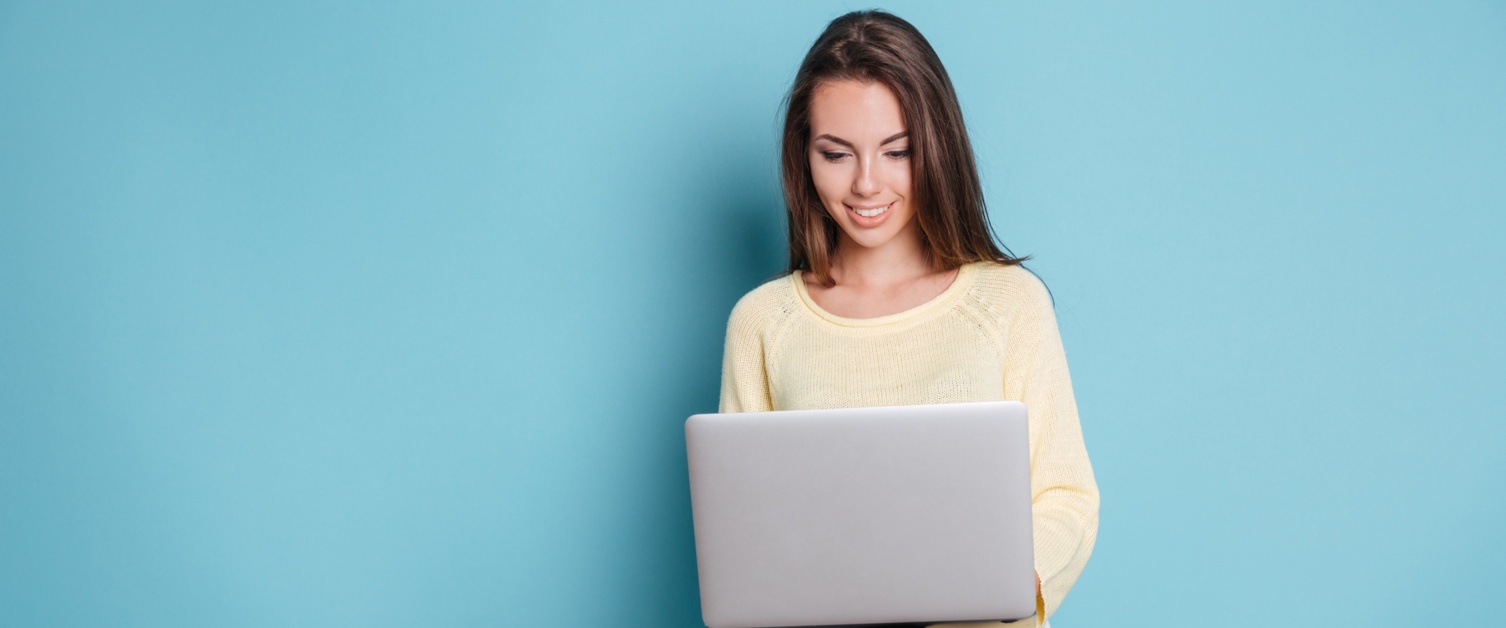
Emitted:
pixel 1064 495
pixel 745 381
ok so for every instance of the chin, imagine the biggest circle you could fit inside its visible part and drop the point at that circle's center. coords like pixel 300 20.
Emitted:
pixel 871 239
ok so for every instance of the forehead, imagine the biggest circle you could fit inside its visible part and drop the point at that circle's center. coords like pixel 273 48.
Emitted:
pixel 855 110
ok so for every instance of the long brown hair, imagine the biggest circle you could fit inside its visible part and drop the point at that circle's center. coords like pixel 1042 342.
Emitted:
pixel 877 46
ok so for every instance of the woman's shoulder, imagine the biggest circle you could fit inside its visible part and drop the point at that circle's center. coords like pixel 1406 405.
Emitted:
pixel 1008 287
pixel 765 303
pixel 995 276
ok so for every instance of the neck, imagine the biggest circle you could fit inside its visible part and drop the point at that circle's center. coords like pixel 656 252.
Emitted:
pixel 901 259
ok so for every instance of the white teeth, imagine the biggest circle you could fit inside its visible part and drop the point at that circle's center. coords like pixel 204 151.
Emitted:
pixel 869 213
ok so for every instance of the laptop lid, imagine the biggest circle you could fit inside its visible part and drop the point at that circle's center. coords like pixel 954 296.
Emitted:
pixel 862 515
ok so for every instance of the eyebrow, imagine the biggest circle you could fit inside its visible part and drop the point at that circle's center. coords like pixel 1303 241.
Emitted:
pixel 838 140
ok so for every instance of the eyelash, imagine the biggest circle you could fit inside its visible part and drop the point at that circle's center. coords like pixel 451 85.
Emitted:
pixel 893 154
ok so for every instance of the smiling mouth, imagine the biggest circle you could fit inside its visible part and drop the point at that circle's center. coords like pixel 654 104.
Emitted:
pixel 870 212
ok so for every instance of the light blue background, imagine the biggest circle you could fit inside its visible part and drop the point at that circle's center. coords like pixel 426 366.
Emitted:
pixel 330 314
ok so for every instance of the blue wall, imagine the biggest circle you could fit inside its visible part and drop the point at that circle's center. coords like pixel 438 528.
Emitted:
pixel 330 314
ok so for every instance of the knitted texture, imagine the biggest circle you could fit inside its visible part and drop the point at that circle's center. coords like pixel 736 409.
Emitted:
pixel 990 336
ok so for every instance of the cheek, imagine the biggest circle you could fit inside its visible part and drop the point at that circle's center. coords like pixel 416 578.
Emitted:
pixel 828 180
pixel 898 177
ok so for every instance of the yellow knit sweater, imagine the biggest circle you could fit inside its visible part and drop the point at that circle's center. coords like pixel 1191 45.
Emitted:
pixel 990 336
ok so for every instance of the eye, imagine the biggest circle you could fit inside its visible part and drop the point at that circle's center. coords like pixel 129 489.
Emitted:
pixel 903 153
pixel 832 155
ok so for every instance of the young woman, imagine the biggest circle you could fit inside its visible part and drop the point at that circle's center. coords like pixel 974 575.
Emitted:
pixel 897 293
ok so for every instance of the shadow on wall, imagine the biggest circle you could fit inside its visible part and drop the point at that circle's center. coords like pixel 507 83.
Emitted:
pixel 730 239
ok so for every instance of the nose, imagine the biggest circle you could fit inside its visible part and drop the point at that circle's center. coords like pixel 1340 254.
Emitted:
pixel 866 183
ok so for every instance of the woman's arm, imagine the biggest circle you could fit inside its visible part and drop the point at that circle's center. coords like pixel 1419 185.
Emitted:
pixel 1063 490
pixel 745 382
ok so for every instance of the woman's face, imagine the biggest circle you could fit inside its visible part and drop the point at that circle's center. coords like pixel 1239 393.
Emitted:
pixel 860 162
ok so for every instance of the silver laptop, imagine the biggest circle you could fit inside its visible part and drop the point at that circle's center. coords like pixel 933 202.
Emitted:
pixel 906 514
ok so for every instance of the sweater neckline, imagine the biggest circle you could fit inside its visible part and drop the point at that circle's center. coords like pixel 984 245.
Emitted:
pixel 959 284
